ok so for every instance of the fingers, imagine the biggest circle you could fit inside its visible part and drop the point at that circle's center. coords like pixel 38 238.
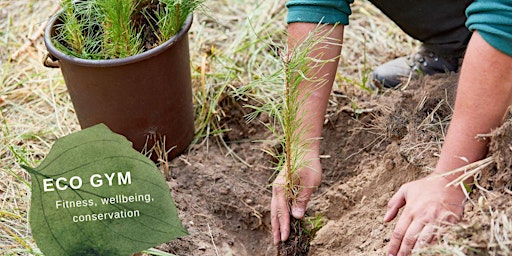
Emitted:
pixel 398 235
pixel 404 238
pixel 300 203
pixel 309 180
pixel 410 237
pixel 279 212
pixel 451 217
pixel 426 236
pixel 395 203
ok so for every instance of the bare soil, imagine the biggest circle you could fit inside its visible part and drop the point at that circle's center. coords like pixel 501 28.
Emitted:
pixel 222 193
pixel 368 153
pixel 299 241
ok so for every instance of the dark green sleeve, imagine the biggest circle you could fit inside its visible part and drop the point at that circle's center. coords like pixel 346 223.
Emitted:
pixel 319 11
pixel 493 21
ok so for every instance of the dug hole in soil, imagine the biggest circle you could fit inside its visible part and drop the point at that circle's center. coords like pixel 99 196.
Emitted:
pixel 367 154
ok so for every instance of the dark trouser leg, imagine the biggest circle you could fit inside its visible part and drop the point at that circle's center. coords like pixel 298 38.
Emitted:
pixel 438 24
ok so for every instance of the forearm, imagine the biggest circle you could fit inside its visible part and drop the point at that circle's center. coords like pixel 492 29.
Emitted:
pixel 483 97
pixel 315 91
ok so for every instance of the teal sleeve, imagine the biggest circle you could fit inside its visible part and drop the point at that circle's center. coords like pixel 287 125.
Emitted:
pixel 319 11
pixel 493 21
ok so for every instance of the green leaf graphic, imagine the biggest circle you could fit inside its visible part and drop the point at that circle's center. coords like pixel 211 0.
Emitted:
pixel 95 195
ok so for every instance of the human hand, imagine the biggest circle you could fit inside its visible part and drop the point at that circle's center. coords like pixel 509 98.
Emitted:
pixel 428 204
pixel 307 180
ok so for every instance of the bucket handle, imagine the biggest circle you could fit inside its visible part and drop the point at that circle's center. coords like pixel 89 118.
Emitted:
pixel 50 61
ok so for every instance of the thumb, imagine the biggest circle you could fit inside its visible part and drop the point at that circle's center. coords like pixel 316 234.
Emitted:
pixel 300 203
pixel 396 202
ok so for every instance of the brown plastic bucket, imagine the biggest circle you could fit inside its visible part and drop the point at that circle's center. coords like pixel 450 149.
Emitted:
pixel 138 96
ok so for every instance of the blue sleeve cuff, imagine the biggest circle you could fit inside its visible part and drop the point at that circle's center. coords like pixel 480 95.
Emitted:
pixel 492 19
pixel 319 11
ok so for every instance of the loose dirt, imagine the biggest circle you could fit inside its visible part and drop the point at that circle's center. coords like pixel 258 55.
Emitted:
pixel 367 153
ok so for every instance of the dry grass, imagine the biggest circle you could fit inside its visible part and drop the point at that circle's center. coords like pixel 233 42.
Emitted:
pixel 486 230
pixel 35 109
pixel 231 48
pixel 232 53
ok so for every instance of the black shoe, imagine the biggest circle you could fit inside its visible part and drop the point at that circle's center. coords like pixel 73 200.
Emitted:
pixel 391 74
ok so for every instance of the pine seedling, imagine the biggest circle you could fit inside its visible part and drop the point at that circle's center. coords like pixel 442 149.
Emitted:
pixel 109 29
pixel 120 39
pixel 171 15
pixel 76 34
pixel 72 27
pixel 287 124
pixel 96 29
pixel 299 65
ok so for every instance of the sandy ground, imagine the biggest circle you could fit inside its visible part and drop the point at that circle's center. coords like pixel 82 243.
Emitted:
pixel 367 155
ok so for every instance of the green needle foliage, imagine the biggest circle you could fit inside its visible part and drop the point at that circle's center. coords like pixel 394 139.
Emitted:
pixel 300 77
pixel 120 38
pixel 70 38
pixel 109 29
pixel 173 14
pixel 299 65
pixel 295 67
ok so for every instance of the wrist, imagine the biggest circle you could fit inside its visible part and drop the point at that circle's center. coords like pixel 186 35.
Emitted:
pixel 456 193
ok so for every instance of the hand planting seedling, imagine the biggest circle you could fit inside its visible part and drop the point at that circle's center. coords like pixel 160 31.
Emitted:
pixel 300 148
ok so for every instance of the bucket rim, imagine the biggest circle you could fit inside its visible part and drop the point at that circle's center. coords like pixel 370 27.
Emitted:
pixel 59 55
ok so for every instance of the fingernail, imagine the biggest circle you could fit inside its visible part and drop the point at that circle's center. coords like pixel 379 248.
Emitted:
pixel 385 218
pixel 297 212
